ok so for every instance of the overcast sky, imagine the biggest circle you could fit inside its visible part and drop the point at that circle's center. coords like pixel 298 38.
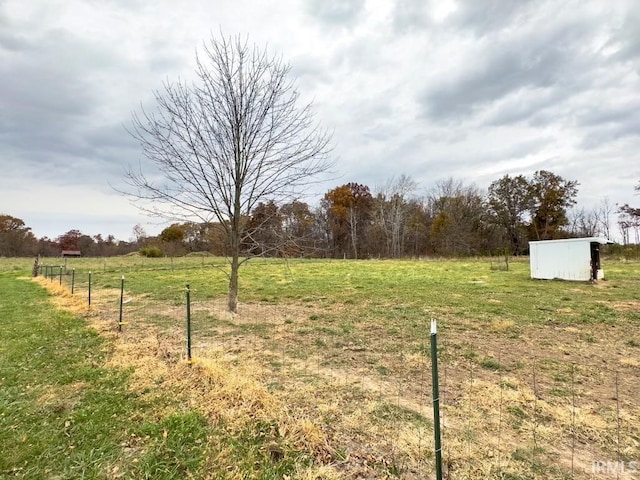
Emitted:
pixel 469 89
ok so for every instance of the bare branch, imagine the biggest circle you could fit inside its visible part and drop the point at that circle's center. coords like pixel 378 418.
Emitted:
pixel 234 137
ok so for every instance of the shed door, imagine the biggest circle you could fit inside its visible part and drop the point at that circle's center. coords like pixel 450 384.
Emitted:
pixel 595 260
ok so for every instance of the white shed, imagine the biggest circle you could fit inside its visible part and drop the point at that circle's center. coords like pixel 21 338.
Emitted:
pixel 567 259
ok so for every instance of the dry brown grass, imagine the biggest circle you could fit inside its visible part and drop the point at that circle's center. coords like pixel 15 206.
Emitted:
pixel 626 306
pixel 62 298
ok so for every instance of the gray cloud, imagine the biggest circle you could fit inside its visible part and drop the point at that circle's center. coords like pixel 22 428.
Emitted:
pixel 525 106
pixel 600 114
pixel 606 132
pixel 310 72
pixel 10 41
pixel 498 154
pixel 628 35
pixel 44 107
pixel 336 12
pixel 411 15
pixel 489 16
pixel 509 65
pixel 61 109
pixel 361 55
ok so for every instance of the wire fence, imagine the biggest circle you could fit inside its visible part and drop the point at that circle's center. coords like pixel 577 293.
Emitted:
pixel 506 413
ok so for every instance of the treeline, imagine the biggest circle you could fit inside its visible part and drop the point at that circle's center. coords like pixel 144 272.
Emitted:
pixel 453 219
pixel 17 240
pixel 351 221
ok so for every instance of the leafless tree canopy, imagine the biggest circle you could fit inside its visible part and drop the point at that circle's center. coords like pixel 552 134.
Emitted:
pixel 230 139
pixel 234 137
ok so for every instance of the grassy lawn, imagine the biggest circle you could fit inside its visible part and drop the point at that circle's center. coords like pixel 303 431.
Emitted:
pixel 325 371
pixel 66 415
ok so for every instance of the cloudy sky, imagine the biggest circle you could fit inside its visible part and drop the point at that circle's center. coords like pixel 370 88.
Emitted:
pixel 469 89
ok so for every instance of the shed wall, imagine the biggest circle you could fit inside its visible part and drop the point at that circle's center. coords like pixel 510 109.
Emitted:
pixel 563 260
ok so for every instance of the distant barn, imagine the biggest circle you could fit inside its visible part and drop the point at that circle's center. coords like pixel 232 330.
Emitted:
pixel 71 253
pixel 569 259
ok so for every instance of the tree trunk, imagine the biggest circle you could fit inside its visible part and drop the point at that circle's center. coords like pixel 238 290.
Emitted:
pixel 354 232
pixel 232 301
pixel 515 243
pixel 236 235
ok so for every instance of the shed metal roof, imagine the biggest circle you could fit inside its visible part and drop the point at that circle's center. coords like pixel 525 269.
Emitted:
pixel 600 240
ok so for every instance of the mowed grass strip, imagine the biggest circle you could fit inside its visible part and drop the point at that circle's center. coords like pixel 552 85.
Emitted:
pixel 63 415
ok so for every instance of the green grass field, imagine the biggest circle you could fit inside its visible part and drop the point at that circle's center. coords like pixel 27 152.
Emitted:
pixel 64 415
pixel 538 378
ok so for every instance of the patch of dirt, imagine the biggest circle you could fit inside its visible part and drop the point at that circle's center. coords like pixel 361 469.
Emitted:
pixel 565 310
pixel 626 307
pixel 61 398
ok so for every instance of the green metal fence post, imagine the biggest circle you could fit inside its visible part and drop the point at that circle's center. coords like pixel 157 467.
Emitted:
pixel 188 324
pixel 73 280
pixel 121 300
pixel 89 288
pixel 436 399
pixel 60 282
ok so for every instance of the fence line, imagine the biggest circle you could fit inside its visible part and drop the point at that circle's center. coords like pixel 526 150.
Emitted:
pixel 543 416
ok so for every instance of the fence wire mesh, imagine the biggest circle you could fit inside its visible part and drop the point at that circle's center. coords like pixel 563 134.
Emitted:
pixel 364 388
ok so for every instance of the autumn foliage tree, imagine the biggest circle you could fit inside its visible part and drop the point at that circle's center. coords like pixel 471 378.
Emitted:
pixel 69 240
pixel 551 197
pixel 264 230
pixel 16 239
pixel 299 226
pixel 348 213
pixel 509 203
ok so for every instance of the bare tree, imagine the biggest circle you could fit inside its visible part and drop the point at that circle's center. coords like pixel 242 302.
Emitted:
pixel 591 222
pixel 234 137
pixel 458 218
pixel 604 212
pixel 391 212
pixel 139 234
pixel 584 223
pixel 629 218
